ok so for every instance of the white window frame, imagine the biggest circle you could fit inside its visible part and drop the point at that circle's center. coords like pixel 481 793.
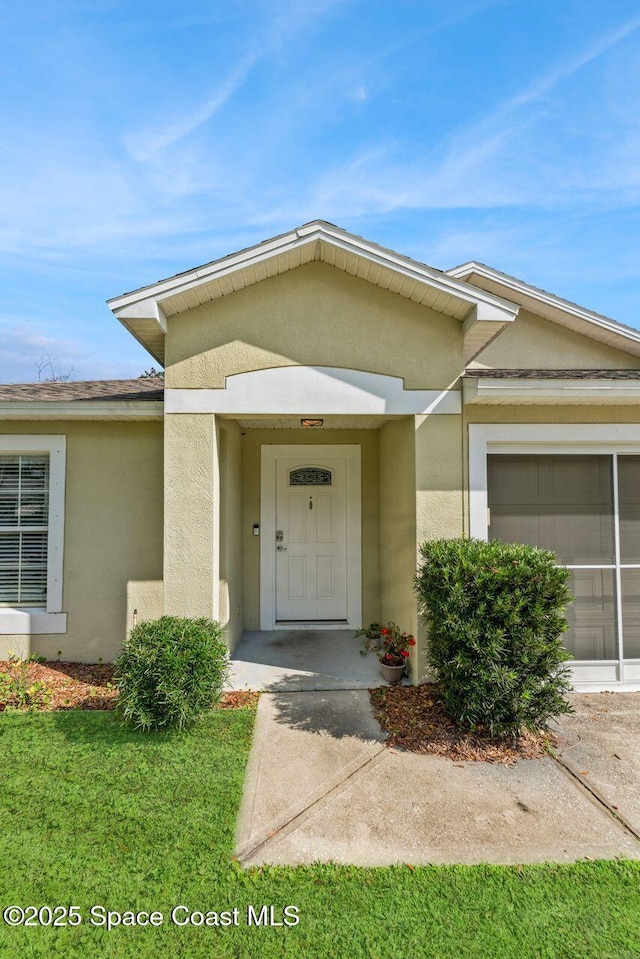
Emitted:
pixel 610 439
pixel 29 621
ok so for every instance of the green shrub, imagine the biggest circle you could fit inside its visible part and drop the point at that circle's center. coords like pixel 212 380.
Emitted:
pixel 170 671
pixel 495 616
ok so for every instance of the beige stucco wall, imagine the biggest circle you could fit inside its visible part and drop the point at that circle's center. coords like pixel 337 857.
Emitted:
pixel 396 445
pixel 439 493
pixel 203 515
pixel 191 523
pixel 315 315
pixel 15 646
pixel 251 452
pixel 533 343
pixel 113 531
pixel 145 600
pixel 552 414
pixel 231 584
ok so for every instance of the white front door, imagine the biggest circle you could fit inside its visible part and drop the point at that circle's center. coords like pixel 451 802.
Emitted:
pixel 310 506
pixel 311 539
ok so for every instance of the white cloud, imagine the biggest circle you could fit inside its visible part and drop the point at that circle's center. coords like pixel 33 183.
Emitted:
pixel 145 146
pixel 201 183
pixel 22 345
pixel 491 162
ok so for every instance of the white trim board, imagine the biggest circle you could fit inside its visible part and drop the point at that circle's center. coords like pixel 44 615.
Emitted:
pixel 269 456
pixel 31 622
pixel 17 620
pixel 308 390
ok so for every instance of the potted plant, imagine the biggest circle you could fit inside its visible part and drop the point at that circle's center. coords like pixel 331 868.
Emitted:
pixel 372 641
pixel 392 647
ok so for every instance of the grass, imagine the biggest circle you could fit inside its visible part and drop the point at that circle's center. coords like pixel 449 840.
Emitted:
pixel 91 813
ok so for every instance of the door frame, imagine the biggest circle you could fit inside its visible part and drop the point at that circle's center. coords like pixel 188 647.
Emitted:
pixel 351 453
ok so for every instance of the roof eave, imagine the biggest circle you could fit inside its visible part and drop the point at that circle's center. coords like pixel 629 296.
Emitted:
pixel 555 308
pixel 81 410
pixel 141 311
pixel 545 392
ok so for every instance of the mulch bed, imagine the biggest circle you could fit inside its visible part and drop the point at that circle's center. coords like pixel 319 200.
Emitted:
pixel 90 686
pixel 415 720
pixel 412 716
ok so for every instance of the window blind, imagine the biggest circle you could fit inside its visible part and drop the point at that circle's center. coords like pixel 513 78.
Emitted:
pixel 24 515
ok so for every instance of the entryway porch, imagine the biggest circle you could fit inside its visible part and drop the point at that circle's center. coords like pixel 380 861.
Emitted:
pixel 302 659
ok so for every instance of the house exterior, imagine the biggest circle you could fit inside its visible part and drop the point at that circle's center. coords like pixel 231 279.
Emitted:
pixel 327 406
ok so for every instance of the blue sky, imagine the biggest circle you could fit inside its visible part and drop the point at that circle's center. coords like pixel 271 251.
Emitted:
pixel 143 138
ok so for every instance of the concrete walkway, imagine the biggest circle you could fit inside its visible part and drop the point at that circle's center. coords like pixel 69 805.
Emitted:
pixel 303 659
pixel 600 745
pixel 322 786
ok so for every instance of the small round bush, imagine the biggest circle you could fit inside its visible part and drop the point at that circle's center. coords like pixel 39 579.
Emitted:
pixel 170 671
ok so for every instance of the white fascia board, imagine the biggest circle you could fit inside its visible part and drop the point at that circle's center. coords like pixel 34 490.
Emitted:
pixel 80 410
pixel 129 304
pixel 549 299
pixel 209 271
pixel 313 390
pixel 489 388
pixel 488 305
pixel 483 324
pixel 147 308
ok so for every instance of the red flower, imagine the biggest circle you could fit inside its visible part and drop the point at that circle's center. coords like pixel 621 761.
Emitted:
pixel 404 652
pixel 383 632
pixel 412 642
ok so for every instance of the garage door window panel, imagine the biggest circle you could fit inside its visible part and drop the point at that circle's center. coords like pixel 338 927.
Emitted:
pixel 586 508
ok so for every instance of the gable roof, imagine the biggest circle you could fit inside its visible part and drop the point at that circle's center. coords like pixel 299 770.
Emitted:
pixel 144 311
pixel 551 307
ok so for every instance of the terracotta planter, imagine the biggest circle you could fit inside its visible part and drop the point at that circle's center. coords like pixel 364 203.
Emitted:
pixel 392 674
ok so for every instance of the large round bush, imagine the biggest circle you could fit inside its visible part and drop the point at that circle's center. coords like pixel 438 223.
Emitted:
pixel 496 616
pixel 170 671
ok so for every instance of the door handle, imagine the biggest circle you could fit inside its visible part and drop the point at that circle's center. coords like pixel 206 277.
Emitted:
pixel 281 549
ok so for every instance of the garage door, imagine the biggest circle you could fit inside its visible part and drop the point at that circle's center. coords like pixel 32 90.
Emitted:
pixel 586 508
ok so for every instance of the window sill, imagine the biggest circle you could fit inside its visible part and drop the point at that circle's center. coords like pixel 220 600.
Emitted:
pixel 30 622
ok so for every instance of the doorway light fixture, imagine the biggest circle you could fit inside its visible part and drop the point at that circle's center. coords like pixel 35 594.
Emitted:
pixel 311 424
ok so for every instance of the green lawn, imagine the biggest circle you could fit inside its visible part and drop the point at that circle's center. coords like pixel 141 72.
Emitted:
pixel 91 814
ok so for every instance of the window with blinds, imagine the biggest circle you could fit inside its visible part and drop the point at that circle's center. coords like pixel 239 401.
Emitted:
pixel 24 514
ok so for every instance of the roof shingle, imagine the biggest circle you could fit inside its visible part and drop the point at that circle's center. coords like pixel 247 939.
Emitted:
pixel 554 374
pixel 125 391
